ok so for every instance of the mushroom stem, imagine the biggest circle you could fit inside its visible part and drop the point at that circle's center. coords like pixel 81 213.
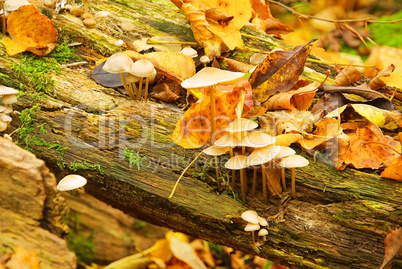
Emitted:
pixel 140 89
pixel 4 17
pixel 86 2
pixel 233 171
pixel 213 113
pixel 264 184
pixel 283 178
pixel 217 173
pixel 243 193
pixel 146 88
pixel 243 152
pixel 294 183
pixel 254 182
pixel 123 80
pixel 252 234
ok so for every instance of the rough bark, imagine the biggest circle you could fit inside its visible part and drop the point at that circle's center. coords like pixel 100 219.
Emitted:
pixel 339 219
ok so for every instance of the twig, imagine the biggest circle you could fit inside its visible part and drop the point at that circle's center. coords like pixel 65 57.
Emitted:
pixel 4 17
pixel 329 20
pixel 74 64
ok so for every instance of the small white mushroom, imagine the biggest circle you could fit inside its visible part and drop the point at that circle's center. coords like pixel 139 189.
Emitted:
pixel 263 233
pixel 189 51
pixel 119 43
pixel 71 182
pixel 251 228
pixel 250 216
pixel 292 162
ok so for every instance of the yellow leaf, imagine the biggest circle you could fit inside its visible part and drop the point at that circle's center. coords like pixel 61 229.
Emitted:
pixel 13 47
pixel 185 252
pixel 161 250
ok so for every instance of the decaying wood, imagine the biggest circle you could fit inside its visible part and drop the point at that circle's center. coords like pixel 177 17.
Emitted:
pixel 339 219
pixel 31 208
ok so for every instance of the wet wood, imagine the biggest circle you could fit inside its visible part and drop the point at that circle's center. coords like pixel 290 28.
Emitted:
pixel 339 219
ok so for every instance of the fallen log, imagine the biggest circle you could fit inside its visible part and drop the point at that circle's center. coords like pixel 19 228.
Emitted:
pixel 339 219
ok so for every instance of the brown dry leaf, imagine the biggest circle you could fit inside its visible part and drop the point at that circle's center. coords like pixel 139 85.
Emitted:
pixel 173 65
pixel 377 82
pixel 167 95
pixel 237 66
pixel 194 129
pixel 300 99
pixel 358 152
pixel 347 76
pixel 279 72
pixel 215 15
pixel 22 259
pixel 327 129
pixel 262 19
pixel 393 248
pixel 273 176
pixel 394 170
pixel 30 29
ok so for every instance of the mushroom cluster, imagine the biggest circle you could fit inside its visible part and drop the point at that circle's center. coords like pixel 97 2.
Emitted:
pixel 87 19
pixel 254 223
pixel 9 97
pixel 121 63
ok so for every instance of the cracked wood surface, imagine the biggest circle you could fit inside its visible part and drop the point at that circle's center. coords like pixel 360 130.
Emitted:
pixel 339 219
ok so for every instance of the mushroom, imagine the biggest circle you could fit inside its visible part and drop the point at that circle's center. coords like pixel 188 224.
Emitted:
pixel 205 60
pixel 127 26
pixel 76 11
pixel 119 43
pixel 102 15
pixel 71 182
pixel 209 78
pixel 131 80
pixel 216 151
pixel 257 58
pixel 86 3
pixel 3 125
pixel 229 140
pixel 9 97
pixel 89 22
pixel 284 152
pixel 143 69
pixel 251 228
pixel 250 216
pixel 292 162
pixel 12 5
pixel 120 63
pixel 262 221
pixel 236 163
pixel 263 233
pixel 261 156
pixel 189 51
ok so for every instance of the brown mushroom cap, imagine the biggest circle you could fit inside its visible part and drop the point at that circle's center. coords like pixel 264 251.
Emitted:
pixel 209 76
pixel 237 162
pixel 242 124
pixel 89 22
pixel 9 99
pixel 118 63
pixel 294 161
pixel 263 155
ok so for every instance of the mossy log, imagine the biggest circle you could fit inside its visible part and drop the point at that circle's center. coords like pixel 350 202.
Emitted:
pixel 339 219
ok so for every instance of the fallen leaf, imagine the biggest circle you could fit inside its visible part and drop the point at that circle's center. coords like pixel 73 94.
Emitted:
pixel 22 259
pixel 203 252
pixel 161 250
pixel 237 66
pixel 347 76
pixel 194 127
pixel 381 57
pixel 326 129
pixel 279 72
pixel 30 29
pixel 185 252
pixel 377 82
pixel 215 15
pixel 104 78
pixel 393 248
pixel 358 152
pixel 167 95
pixel 300 99
pixel 394 170
pixel 381 117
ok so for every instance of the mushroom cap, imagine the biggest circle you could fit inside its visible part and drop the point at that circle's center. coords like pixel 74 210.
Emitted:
pixel 89 22
pixel 257 58
pixel 142 69
pixel 76 11
pixel 118 63
pixel 205 59
pixel 189 51
pixel 262 221
pixel 5 110
pixel 250 227
pixel 87 15
pixel 131 78
pixel 263 155
pixel 209 76
pixel 294 161
pixel 250 216
pixel 2 108
pixel 257 140
pixel 3 126
pixel 71 182
pixel 5 118
pixel 228 140
pixel 101 14
pixel 262 232
pixel 9 99
pixel 12 5
pixel 127 26
pixel 215 150
pixel 284 152
pixel 241 124
pixel 119 43
pixel 7 90
pixel 237 162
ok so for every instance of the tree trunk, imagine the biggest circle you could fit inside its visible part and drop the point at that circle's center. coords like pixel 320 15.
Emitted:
pixel 339 219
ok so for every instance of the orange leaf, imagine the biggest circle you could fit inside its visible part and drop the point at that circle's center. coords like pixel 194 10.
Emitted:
pixel 300 99
pixel 326 130
pixel 279 72
pixel 347 76
pixel 393 248
pixel 194 128
pixel 30 28
pixel 21 258
pixel 394 170
pixel 376 82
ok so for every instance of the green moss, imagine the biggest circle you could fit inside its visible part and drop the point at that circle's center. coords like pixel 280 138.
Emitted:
pixel 134 159
pixel 387 34
pixel 75 166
